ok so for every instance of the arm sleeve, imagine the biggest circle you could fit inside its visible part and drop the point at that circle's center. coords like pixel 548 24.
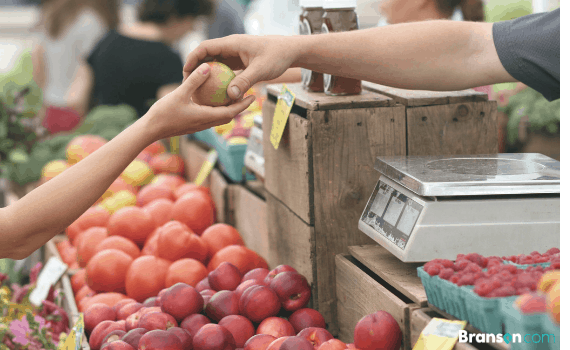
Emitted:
pixel 88 29
pixel 529 49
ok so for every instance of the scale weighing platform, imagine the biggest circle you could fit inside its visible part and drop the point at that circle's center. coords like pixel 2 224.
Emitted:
pixel 427 207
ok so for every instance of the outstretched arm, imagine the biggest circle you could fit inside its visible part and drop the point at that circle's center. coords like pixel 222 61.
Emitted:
pixel 33 220
pixel 431 55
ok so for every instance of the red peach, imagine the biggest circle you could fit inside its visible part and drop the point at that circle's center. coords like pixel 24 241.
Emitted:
pixel 296 343
pixel 222 304
pixel 193 323
pixel 133 337
pixel 225 277
pixel 122 303
pixel 276 327
pixel 377 331
pixel 160 340
pixel 315 335
pixel 207 294
pixel 245 285
pixel 150 302
pixel 113 336
pixel 101 331
pixel 181 300
pixel 304 318
pixel 203 285
pixel 240 327
pixel 213 337
pixel 159 296
pixel 333 344
pixel 276 344
pixel 258 275
pixel 128 310
pixel 132 321
pixel 117 345
pixel 183 335
pixel 97 313
pixel 157 320
pixel 258 303
pixel 259 342
pixel 273 273
pixel 292 289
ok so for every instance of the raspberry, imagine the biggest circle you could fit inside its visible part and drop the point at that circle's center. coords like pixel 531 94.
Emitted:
pixel 494 269
pixel 446 263
pixel 535 253
pixel 454 279
pixel 466 280
pixel 433 270
pixel 483 289
pixel 446 273
pixel 510 268
pixel 505 291
pixel 555 265
pixel 542 259
pixel 476 258
pixel 552 251
pixel 494 262
pixel 525 279
pixel 484 262
pixel 473 268
pixel 461 264
pixel 460 256
pixel 521 291
pixel 526 260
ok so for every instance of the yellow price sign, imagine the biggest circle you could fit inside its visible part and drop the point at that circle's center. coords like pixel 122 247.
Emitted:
pixel 75 336
pixel 206 167
pixel 440 334
pixel 175 145
pixel 281 115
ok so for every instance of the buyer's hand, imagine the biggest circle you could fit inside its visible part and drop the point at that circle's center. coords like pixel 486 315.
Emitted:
pixel 176 114
pixel 262 58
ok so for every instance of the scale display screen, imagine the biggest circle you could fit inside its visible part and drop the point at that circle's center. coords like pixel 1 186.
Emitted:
pixel 392 214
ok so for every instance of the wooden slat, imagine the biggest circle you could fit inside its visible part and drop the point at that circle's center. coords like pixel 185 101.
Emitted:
pixel 250 219
pixel 194 155
pixel 464 128
pixel 257 187
pixel 400 275
pixel 420 319
pixel 414 98
pixel 360 294
pixel 219 188
pixel 287 169
pixel 345 146
pixel 290 240
pixel 315 101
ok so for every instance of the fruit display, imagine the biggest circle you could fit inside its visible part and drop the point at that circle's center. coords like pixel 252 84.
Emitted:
pixel 25 326
pixel 474 287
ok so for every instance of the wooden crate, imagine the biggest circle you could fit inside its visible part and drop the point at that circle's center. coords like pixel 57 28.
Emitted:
pixel 360 292
pixel 450 122
pixel 319 179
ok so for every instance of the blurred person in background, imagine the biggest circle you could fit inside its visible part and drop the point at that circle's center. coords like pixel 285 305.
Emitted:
pixel 137 65
pixel 402 11
pixel 227 20
pixel 68 32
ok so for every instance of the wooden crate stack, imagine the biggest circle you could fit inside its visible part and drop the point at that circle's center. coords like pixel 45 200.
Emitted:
pixel 320 178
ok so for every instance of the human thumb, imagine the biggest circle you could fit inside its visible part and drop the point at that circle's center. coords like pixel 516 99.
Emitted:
pixel 196 78
pixel 244 81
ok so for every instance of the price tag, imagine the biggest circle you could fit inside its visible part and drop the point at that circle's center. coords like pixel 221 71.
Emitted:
pixel 50 274
pixel 75 336
pixel 175 145
pixel 207 167
pixel 282 110
pixel 439 334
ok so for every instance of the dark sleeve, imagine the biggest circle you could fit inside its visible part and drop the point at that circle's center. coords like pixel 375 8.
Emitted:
pixel 170 68
pixel 529 49
pixel 228 20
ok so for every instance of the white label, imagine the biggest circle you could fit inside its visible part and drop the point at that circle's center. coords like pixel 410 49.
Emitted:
pixel 443 328
pixel 380 202
pixel 393 212
pixel 50 274
pixel 408 220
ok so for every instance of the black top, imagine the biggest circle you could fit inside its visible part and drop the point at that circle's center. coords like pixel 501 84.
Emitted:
pixel 529 49
pixel 131 71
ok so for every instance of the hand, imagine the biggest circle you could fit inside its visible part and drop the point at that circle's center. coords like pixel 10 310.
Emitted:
pixel 262 58
pixel 176 114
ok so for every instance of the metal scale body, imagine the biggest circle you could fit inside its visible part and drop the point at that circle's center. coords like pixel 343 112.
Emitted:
pixel 430 207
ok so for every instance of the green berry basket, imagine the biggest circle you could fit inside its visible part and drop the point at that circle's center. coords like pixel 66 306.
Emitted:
pixel 433 288
pixel 551 328
pixel 483 313
pixel 519 266
pixel 523 324
pixel 457 298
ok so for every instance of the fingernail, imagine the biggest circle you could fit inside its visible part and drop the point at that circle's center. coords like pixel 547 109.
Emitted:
pixel 235 91
pixel 205 68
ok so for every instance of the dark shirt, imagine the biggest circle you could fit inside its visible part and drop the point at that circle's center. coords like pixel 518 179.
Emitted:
pixel 529 49
pixel 130 71
pixel 228 20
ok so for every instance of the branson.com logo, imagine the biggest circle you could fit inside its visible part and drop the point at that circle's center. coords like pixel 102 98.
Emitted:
pixel 516 338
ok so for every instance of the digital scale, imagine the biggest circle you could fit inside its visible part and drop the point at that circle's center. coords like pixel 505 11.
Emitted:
pixel 427 207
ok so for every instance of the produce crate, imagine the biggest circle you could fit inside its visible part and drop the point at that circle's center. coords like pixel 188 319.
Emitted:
pixel 248 214
pixel 549 327
pixel 230 157
pixel 419 320
pixel 447 122
pixel 360 292
pixel 323 170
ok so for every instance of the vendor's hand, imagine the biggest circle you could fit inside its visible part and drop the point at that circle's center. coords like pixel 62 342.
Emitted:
pixel 263 58
pixel 176 114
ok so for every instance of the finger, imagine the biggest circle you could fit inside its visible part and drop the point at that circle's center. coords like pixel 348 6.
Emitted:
pixel 215 48
pixel 225 114
pixel 196 78
pixel 245 80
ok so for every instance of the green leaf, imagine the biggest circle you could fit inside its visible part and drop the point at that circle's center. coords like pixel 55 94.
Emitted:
pixel 18 156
